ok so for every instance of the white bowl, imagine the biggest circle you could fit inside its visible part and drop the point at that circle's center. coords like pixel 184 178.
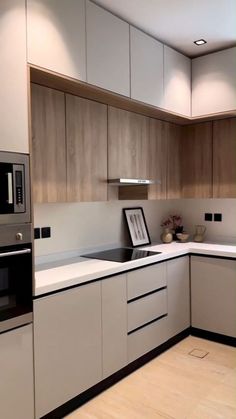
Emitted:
pixel 182 237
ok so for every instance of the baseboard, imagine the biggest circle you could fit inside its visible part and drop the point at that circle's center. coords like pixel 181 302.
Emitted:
pixel 87 395
pixel 216 337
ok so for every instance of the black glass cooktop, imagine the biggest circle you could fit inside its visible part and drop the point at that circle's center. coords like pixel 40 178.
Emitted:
pixel 121 254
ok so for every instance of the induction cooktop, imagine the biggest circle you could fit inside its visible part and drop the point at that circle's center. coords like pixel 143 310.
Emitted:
pixel 121 254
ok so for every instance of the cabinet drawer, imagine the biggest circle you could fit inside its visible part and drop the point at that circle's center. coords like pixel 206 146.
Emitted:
pixel 145 280
pixel 146 339
pixel 146 309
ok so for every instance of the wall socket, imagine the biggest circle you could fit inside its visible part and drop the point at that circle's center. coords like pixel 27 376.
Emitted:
pixel 208 216
pixel 217 217
pixel 45 232
pixel 37 233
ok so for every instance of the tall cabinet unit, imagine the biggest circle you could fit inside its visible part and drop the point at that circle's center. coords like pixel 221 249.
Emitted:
pixel 13 75
pixel 214 83
pixel 146 60
pixel 56 36
pixel 177 82
pixel 107 50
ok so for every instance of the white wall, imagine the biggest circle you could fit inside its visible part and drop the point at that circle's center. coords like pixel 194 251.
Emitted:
pixel 81 226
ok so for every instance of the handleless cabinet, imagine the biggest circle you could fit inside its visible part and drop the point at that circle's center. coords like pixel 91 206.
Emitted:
pixel 13 75
pixel 214 83
pixel 177 82
pixel 107 39
pixel 16 377
pixel 213 295
pixel 68 345
pixel 146 60
pixel 56 36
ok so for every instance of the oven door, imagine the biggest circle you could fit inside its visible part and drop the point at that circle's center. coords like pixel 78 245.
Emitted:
pixel 15 286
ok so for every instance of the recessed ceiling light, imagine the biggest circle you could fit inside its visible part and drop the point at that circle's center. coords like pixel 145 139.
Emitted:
pixel 200 42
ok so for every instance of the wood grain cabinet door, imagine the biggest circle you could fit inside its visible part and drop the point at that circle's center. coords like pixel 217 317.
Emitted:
pixel 157 159
pixel 172 134
pixel 224 158
pixel 48 145
pixel 86 135
pixel 196 160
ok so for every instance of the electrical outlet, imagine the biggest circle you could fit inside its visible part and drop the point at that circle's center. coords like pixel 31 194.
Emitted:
pixel 45 232
pixel 217 217
pixel 208 216
pixel 37 234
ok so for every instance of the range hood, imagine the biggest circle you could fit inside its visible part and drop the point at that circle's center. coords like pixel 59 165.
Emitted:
pixel 128 182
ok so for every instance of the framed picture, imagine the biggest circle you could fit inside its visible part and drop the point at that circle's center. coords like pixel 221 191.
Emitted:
pixel 137 226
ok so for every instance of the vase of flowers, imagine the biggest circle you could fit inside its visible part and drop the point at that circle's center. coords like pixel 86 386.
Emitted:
pixel 171 226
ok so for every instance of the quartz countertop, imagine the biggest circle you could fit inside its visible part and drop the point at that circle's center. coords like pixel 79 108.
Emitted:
pixel 54 276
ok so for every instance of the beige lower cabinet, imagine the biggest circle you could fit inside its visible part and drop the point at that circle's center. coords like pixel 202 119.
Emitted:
pixel 178 285
pixel 68 345
pixel 213 294
pixel 114 324
pixel 16 376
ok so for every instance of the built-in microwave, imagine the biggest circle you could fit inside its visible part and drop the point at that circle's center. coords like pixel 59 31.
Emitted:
pixel 15 189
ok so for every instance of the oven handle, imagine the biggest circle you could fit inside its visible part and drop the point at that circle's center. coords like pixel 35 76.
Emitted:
pixel 15 253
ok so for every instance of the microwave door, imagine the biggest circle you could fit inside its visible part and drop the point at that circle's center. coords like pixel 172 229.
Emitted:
pixel 6 189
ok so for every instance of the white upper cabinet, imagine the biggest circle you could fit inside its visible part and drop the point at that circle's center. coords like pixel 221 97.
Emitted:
pixel 146 55
pixel 13 76
pixel 107 50
pixel 56 36
pixel 214 83
pixel 177 82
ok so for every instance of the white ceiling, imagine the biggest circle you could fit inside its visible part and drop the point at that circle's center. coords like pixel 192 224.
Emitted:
pixel 180 22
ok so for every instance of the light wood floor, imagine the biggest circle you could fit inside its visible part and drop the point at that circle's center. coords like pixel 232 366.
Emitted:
pixel 174 385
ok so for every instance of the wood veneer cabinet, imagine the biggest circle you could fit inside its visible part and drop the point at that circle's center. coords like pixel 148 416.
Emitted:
pixel 48 145
pixel 196 160
pixel 157 155
pixel 173 177
pixel 224 158
pixel 86 140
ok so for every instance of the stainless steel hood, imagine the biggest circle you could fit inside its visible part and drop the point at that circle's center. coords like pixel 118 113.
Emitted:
pixel 128 182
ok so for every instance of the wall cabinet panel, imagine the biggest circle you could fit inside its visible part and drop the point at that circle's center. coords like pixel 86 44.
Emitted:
pixel 86 140
pixel 56 36
pixel 172 135
pixel 48 144
pixel 224 158
pixel 196 160
pixel 158 148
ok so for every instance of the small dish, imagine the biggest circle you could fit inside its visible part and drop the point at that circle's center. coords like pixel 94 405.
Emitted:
pixel 182 237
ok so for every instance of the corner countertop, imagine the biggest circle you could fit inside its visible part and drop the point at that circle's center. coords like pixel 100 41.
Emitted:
pixel 54 276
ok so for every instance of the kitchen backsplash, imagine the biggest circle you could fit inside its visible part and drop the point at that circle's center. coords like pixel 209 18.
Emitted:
pixel 91 225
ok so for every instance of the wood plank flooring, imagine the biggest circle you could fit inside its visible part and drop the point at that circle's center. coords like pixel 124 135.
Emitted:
pixel 175 385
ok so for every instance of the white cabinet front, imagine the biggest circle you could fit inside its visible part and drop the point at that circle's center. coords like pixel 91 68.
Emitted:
pixel 56 36
pixel 214 83
pixel 107 50
pixel 146 55
pixel 13 75
pixel 16 374
pixel 68 345
pixel 177 82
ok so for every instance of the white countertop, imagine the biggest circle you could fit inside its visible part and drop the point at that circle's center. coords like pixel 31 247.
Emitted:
pixel 76 271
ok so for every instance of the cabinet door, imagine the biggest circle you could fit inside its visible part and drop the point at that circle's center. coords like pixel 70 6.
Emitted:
pixel 114 324
pixel 157 159
pixel 107 50
pixel 177 82
pixel 48 145
pixel 13 75
pixel 56 36
pixel 128 138
pixel 16 378
pixel 146 55
pixel 172 134
pixel 213 295
pixel 214 83
pixel 196 160
pixel 86 137
pixel 224 158
pixel 68 345
pixel 178 295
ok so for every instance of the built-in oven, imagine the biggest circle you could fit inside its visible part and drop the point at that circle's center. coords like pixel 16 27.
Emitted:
pixel 14 190
pixel 15 276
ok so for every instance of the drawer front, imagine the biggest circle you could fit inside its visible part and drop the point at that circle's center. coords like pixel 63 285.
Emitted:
pixel 146 339
pixel 145 280
pixel 146 309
